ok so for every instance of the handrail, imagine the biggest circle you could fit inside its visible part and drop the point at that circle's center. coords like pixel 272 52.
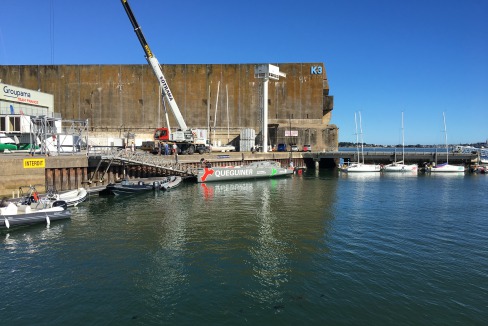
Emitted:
pixel 144 158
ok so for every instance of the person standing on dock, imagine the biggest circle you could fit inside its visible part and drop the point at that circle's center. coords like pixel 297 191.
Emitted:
pixel 175 152
pixel 166 148
pixel 132 147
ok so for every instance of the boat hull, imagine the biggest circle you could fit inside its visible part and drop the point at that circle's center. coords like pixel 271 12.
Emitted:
pixel 9 147
pixel 359 168
pixel 42 216
pixel 119 190
pixel 447 168
pixel 252 171
pixel 73 197
pixel 129 188
pixel 400 168
pixel 172 182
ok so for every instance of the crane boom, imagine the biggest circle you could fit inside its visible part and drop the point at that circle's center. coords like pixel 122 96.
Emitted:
pixel 156 67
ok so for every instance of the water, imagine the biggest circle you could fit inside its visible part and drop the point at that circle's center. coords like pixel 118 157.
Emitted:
pixel 323 248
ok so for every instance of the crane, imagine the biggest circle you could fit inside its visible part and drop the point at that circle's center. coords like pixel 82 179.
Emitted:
pixel 186 139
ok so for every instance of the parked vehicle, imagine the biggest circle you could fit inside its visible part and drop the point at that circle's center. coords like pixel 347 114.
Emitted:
pixel 202 149
pixel 307 148
pixel 294 148
pixel 281 148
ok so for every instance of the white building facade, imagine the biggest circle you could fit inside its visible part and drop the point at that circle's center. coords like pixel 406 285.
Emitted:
pixel 18 105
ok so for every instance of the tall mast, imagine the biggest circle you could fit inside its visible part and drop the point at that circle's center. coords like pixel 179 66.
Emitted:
pixel 403 142
pixel 445 137
pixel 357 135
pixel 361 131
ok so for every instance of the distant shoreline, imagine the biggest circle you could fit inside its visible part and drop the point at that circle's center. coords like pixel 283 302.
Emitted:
pixel 348 144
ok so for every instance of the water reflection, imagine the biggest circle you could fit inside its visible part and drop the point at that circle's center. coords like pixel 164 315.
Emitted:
pixel 210 190
pixel 446 175
pixel 360 175
pixel 301 250
pixel 184 252
pixel 268 253
pixel 399 175
pixel 29 239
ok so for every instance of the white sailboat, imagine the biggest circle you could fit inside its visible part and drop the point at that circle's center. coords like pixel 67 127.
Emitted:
pixel 400 166
pixel 360 166
pixel 216 145
pixel 446 167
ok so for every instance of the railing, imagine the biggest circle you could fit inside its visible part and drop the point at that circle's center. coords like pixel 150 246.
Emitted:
pixel 167 162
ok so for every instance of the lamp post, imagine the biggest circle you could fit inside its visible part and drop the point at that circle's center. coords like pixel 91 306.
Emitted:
pixel 266 72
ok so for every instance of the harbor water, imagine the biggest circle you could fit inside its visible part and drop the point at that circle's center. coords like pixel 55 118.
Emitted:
pixel 323 248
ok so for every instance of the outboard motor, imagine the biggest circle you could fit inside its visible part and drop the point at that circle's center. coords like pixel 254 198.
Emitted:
pixel 156 185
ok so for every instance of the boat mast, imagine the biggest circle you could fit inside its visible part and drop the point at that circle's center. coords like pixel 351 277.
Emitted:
pixel 445 137
pixel 227 104
pixel 403 142
pixel 215 119
pixel 361 132
pixel 357 135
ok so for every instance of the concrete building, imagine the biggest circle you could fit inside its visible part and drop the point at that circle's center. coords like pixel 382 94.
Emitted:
pixel 123 100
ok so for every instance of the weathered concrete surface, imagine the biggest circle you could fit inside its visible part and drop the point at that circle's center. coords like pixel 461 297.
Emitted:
pixel 70 172
pixel 13 175
pixel 125 98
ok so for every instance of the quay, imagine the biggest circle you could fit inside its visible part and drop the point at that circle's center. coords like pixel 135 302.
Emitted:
pixel 99 167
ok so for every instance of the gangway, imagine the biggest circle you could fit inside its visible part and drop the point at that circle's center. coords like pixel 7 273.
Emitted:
pixel 110 155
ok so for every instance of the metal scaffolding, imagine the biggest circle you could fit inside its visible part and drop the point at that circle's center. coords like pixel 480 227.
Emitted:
pixel 52 136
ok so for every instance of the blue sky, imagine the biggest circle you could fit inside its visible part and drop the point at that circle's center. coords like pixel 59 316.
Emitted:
pixel 382 57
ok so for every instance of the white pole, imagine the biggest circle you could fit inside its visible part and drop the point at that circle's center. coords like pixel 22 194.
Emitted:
pixel 361 131
pixel 159 108
pixel 403 142
pixel 227 103
pixel 208 112
pixel 216 106
pixel 265 115
pixel 445 136
pixel 357 136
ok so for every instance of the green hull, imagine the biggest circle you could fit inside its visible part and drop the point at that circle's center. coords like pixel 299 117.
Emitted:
pixel 10 147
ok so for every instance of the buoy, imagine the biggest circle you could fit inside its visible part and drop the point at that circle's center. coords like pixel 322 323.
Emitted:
pixel 7 223
pixel 48 221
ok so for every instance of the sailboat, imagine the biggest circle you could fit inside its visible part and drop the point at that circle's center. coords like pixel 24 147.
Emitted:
pixel 400 166
pixel 446 167
pixel 360 166
pixel 216 145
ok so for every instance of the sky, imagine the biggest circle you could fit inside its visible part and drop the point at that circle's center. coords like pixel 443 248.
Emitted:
pixel 424 58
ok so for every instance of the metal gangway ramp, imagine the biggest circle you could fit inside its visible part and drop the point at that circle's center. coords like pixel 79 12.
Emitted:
pixel 168 163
